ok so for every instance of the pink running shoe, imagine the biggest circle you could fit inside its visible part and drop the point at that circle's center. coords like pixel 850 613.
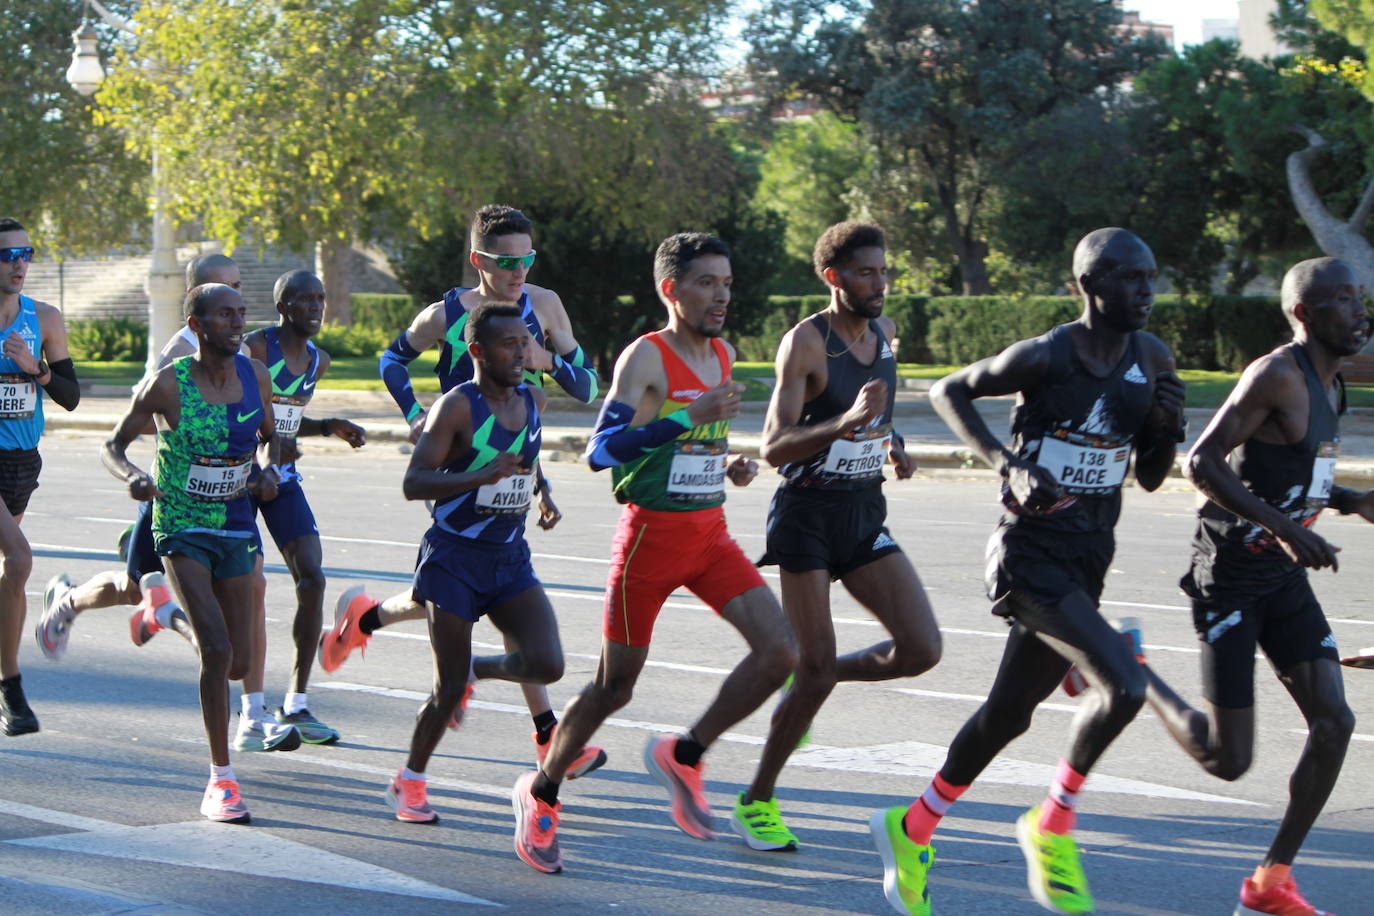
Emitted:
pixel 684 785
pixel 408 797
pixel 344 636
pixel 588 759
pixel 223 803
pixel 536 828
pixel 1282 899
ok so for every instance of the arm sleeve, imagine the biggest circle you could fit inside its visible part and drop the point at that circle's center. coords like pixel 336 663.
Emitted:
pixel 574 375
pixel 614 442
pixel 394 367
pixel 62 387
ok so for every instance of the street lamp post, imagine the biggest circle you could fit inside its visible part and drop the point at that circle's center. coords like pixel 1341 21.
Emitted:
pixel 163 284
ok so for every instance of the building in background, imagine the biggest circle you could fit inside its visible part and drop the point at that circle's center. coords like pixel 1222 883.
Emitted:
pixel 1225 29
pixel 1257 37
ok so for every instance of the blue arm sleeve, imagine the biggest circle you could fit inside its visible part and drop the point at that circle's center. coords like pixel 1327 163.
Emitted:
pixel 394 367
pixel 574 375
pixel 613 442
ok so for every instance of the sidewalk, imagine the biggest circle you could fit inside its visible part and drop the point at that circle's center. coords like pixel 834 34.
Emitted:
pixel 567 424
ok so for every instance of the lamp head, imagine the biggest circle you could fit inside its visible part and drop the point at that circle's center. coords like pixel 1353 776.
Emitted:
pixel 85 73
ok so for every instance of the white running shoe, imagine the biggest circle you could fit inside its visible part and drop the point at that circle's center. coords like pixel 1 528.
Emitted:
pixel 54 628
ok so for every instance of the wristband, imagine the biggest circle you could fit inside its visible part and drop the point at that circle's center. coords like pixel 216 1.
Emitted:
pixel 324 426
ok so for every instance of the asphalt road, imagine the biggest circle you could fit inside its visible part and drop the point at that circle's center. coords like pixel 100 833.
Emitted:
pixel 98 813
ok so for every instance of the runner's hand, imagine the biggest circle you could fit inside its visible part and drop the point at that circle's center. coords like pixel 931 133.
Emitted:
pixel 904 464
pixel 290 450
pixel 741 470
pixel 548 512
pixel 537 357
pixel 868 405
pixel 1306 547
pixel 502 466
pixel 1363 505
pixel 16 349
pixel 143 489
pixel 349 432
pixel 1169 397
pixel 417 426
pixel 720 403
pixel 1033 487
pixel 266 485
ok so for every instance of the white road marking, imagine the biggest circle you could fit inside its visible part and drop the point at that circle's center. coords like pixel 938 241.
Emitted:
pixel 1303 731
pixel 219 847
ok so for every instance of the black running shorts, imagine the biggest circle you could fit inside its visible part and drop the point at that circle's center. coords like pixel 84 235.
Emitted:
pixel 18 477
pixel 1045 566
pixel 834 530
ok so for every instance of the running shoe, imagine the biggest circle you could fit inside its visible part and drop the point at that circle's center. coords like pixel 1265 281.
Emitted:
pixel 122 548
pixel 690 810
pixel 54 628
pixel 409 798
pixel 906 865
pixel 16 717
pixel 805 739
pixel 536 827
pixel 590 758
pixel 1365 659
pixel 265 735
pixel 223 803
pixel 1054 873
pixel 1282 899
pixel 312 730
pixel 143 623
pixel 344 636
pixel 760 823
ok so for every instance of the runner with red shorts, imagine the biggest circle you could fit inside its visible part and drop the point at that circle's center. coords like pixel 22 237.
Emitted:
pixel 663 431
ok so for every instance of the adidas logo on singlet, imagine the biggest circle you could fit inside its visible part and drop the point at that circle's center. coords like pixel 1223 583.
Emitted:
pixel 1134 374
pixel 1329 642
pixel 882 540
pixel 1216 629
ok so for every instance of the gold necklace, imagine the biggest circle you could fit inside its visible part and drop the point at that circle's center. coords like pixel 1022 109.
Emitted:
pixel 854 343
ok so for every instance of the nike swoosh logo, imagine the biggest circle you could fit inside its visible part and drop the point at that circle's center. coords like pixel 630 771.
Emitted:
pixel 245 416
pixel 252 548
pixel 306 386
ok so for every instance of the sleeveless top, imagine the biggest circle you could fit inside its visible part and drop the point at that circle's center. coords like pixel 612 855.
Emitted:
pixel 687 473
pixel 494 512
pixel 290 393
pixel 21 400
pixel 855 460
pixel 455 363
pixel 1082 429
pixel 203 465
pixel 1295 479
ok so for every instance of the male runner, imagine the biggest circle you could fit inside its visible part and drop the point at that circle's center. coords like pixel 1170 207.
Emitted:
pixel 212 409
pixel 1088 394
pixel 476 460
pixel 34 356
pixel 1267 463
pixel 500 239
pixel 663 431
pixel 296 365
pixel 829 428
pixel 142 585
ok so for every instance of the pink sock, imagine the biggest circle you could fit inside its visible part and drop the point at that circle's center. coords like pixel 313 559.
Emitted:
pixel 926 811
pixel 1056 814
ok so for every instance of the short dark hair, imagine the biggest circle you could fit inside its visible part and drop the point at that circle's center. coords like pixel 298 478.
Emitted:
pixel 289 280
pixel 198 298
pixel 495 220
pixel 676 252
pixel 481 318
pixel 1312 283
pixel 10 224
pixel 199 266
pixel 838 243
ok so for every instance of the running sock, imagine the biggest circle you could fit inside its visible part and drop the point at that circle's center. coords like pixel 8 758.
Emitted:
pixel 1057 814
pixel 225 772
pixel 253 706
pixel 544 789
pixel 370 621
pixel 688 750
pixel 543 726
pixel 1270 877
pixel 926 811
pixel 164 613
pixel 408 773
pixel 294 702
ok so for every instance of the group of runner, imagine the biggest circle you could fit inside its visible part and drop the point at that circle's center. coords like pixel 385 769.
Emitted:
pixel 1098 399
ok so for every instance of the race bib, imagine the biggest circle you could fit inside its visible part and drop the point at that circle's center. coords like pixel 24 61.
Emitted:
pixel 18 396
pixel 860 454
pixel 218 480
pixel 697 472
pixel 1323 472
pixel 287 413
pixel 1084 465
pixel 508 496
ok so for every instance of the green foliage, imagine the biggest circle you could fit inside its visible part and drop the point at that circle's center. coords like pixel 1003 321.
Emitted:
pixel 1247 327
pixel 107 339
pixel 964 329
pixel 353 340
pixel 384 312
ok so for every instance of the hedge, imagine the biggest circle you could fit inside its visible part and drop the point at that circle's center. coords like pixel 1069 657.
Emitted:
pixel 385 312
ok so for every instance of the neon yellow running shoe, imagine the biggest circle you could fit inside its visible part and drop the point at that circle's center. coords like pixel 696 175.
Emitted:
pixel 906 865
pixel 1053 872
pixel 760 823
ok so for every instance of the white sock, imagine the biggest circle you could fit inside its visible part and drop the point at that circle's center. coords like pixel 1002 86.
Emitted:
pixel 408 773
pixel 252 707
pixel 294 702
pixel 163 612
pixel 216 773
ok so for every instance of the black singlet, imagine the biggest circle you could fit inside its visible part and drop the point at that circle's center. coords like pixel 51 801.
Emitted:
pixel 1082 427
pixel 855 460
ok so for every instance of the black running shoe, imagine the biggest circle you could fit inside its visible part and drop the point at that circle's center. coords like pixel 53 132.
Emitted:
pixel 15 715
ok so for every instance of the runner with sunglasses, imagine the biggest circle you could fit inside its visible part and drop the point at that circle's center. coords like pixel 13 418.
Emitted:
pixel 34 356
pixel 501 240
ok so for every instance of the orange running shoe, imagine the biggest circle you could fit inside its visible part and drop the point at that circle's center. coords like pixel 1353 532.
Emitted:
pixel 588 759
pixel 1282 899
pixel 684 785
pixel 536 827
pixel 344 636
pixel 409 798
pixel 223 803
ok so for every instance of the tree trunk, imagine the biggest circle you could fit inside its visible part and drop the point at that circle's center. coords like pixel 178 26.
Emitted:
pixel 334 266
pixel 1336 238
pixel 972 253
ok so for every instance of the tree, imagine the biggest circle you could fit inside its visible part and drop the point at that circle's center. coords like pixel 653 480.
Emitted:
pixel 72 183
pixel 945 89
